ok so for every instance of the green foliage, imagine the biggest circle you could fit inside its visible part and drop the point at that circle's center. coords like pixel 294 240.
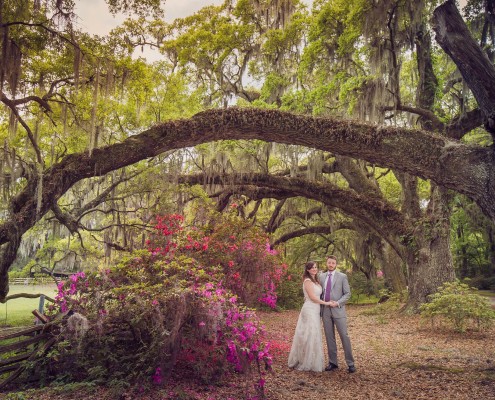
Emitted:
pixel 22 273
pixel 459 305
pixel 289 290
pixel 362 286
pixel 392 303
pixel 15 396
pixel 483 282
pixel 470 242
pixel 139 7
pixel 81 389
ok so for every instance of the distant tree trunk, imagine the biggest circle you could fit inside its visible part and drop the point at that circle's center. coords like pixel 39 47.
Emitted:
pixel 491 243
pixel 393 268
pixel 462 256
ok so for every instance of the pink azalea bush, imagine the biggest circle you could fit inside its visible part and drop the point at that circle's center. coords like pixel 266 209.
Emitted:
pixel 252 269
pixel 176 306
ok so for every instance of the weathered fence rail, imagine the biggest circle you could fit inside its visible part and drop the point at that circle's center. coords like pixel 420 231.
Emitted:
pixel 31 281
pixel 19 347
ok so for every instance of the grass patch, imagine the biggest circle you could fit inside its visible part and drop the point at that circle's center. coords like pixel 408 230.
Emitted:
pixel 360 299
pixel 489 374
pixel 17 312
pixel 431 367
pixel 486 293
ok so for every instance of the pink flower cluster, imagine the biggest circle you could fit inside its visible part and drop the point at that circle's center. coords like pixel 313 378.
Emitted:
pixel 63 293
pixel 169 224
pixel 244 254
pixel 245 345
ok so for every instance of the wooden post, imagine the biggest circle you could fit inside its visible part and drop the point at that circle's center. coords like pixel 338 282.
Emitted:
pixel 40 311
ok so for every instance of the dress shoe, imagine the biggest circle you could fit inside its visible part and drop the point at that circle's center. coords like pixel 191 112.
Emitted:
pixel 331 367
pixel 352 369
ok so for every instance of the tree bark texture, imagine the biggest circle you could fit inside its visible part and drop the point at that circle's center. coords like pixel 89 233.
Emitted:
pixel 433 243
pixel 393 268
pixel 430 262
pixel 476 69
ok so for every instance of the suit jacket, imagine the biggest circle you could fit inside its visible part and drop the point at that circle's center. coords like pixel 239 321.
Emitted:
pixel 341 292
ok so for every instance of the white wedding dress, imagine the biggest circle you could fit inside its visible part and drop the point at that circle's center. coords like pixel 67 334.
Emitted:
pixel 306 353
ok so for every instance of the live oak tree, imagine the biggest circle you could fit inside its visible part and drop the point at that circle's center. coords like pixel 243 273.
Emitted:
pixel 334 57
pixel 243 124
pixel 431 261
pixel 447 162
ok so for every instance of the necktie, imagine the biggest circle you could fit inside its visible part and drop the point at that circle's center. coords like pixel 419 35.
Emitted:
pixel 328 288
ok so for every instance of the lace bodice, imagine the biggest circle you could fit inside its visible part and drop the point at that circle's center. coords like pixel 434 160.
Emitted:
pixel 317 290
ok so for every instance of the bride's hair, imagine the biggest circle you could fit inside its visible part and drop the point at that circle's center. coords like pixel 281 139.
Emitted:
pixel 307 267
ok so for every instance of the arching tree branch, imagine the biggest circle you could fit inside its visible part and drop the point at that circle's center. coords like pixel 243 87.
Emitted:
pixel 373 211
pixel 324 230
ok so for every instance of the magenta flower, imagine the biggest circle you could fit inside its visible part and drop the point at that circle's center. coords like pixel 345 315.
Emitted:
pixel 157 376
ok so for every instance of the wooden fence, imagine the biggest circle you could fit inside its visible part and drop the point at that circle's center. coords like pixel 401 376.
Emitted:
pixel 20 346
pixel 31 281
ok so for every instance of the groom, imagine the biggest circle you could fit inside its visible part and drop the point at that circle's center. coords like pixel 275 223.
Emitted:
pixel 336 289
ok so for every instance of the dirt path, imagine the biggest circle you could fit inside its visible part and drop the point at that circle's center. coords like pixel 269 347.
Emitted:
pixel 399 358
pixel 396 358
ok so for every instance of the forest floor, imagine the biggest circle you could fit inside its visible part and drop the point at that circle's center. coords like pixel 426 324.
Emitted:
pixel 397 357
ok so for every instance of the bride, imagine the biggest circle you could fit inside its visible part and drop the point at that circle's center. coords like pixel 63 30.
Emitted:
pixel 306 353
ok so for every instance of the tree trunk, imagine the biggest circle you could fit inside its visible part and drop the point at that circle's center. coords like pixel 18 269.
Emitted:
pixel 462 253
pixel 429 268
pixel 430 263
pixel 393 268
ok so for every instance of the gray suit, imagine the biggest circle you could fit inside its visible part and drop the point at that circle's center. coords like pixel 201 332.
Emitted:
pixel 336 316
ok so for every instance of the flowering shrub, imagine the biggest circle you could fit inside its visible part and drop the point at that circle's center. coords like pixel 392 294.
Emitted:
pixel 175 304
pixel 251 269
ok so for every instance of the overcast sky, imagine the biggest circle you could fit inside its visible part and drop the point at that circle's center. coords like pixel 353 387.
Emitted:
pixel 94 16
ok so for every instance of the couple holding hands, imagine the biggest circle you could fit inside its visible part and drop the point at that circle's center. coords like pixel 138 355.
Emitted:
pixel 324 296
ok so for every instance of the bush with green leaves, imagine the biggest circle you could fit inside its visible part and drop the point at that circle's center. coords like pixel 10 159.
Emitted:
pixel 363 287
pixel 458 304
pixel 392 303
pixel 289 290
